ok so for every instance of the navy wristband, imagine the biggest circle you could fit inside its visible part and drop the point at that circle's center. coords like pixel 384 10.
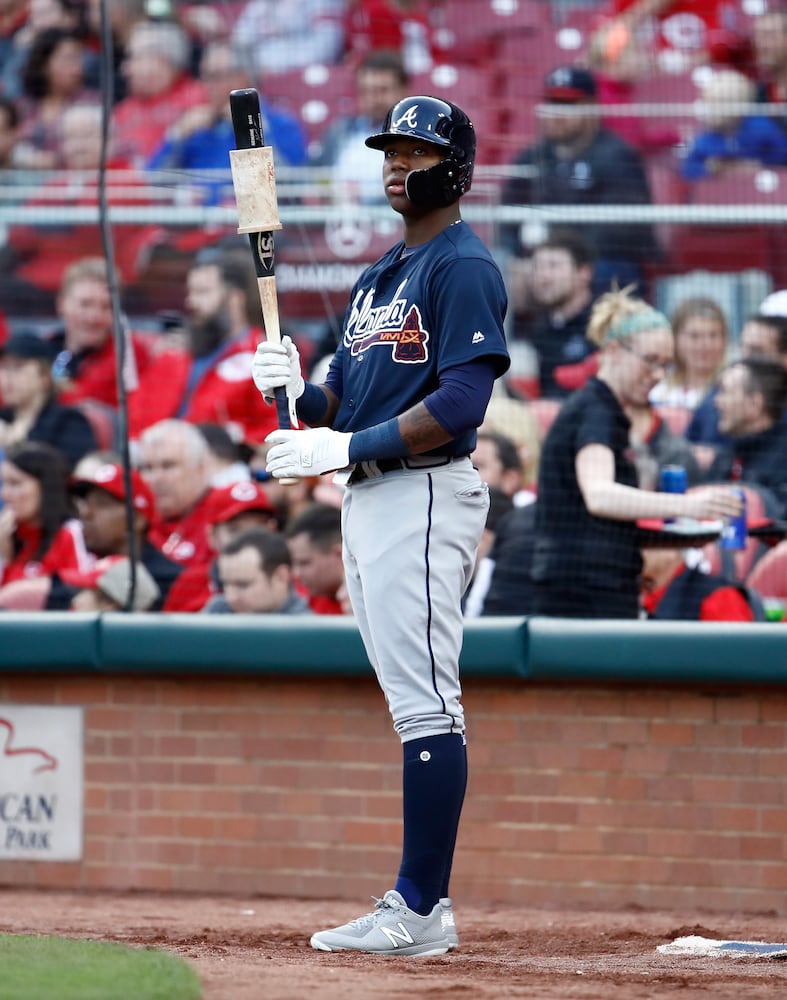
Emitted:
pixel 311 406
pixel 381 441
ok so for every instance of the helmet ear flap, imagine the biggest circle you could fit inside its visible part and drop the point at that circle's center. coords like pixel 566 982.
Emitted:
pixel 438 186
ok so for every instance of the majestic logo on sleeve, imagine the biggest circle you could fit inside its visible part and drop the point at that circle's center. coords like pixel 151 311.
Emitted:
pixel 397 325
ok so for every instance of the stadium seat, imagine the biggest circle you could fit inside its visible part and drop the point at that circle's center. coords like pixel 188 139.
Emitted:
pixel 473 90
pixel 722 246
pixel 668 88
pixel 523 60
pixel 667 187
pixel 314 95
pixel 25 595
pixel 472 22
pixel 769 576
pixel 103 421
pixel 573 29
pixel 465 29
pixel 743 186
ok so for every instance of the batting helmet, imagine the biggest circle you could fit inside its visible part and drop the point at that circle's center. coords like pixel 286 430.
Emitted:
pixel 442 124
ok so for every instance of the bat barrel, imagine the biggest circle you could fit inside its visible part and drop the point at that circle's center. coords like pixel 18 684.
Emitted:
pixel 246 118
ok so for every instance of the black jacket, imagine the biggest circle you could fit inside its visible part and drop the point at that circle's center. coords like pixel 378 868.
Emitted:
pixel 510 589
pixel 756 460
pixel 64 427
pixel 607 172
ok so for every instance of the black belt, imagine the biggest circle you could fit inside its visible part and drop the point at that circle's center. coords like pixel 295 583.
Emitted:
pixel 371 470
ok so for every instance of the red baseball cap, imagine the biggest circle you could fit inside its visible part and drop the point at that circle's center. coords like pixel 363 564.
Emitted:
pixel 226 502
pixel 110 479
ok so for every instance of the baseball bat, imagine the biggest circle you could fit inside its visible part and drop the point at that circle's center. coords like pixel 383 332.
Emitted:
pixel 255 192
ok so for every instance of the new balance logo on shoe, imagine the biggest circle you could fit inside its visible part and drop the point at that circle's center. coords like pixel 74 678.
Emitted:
pixel 392 928
pixel 398 937
pixel 478 337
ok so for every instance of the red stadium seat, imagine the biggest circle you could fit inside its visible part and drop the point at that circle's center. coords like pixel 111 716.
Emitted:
pixel 668 88
pixel 667 187
pixel 769 576
pixel 721 246
pixel 468 86
pixel 742 186
pixel 472 22
pixel 523 60
pixel 103 421
pixel 315 95
pixel 473 90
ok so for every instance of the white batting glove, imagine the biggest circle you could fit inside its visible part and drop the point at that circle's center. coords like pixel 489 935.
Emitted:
pixel 296 454
pixel 276 365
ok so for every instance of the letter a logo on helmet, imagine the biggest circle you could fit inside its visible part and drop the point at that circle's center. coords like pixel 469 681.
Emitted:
pixel 409 118
pixel 444 125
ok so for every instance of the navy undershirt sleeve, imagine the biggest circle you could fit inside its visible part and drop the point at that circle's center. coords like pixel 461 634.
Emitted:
pixel 458 405
pixel 460 402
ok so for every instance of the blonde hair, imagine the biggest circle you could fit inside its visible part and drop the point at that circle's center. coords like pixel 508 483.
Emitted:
pixel 618 314
pixel 86 269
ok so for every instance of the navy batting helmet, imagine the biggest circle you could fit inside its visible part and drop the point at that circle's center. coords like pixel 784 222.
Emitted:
pixel 443 124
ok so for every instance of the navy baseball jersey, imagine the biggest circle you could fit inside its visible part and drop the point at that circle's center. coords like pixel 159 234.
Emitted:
pixel 410 318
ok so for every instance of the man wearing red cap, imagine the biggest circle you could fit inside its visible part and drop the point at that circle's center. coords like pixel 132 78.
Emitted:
pixel 228 511
pixel 100 499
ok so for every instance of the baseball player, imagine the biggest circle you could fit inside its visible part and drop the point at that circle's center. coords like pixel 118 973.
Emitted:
pixel 397 414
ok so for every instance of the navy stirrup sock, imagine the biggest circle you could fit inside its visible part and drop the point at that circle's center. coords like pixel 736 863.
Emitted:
pixel 434 781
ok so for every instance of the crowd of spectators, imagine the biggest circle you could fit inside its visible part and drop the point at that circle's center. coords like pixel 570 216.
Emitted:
pixel 211 532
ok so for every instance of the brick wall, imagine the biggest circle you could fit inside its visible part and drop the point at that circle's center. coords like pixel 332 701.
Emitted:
pixel 659 797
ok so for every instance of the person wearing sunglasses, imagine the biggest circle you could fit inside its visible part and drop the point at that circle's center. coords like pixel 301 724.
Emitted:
pixel 586 560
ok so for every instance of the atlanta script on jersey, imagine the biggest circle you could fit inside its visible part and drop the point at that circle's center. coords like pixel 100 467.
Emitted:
pixel 394 348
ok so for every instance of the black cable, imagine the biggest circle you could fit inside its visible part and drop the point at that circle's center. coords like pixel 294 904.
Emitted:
pixel 119 326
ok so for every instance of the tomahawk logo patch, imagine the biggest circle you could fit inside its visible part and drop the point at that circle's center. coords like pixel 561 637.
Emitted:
pixel 397 325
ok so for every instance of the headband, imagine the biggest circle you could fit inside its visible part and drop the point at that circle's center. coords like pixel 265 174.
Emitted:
pixel 644 319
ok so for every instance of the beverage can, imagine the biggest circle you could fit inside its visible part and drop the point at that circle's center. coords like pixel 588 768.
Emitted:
pixel 733 534
pixel 673 479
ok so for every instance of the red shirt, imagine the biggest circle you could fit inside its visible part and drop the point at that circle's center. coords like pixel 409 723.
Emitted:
pixel 67 551
pixel 139 123
pixel 191 591
pixel 323 605
pixel 370 25
pixel 96 378
pixel 225 394
pixel 185 539
pixel 693 26
pixel 726 604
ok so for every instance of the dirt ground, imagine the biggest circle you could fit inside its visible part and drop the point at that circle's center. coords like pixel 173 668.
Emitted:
pixel 258 949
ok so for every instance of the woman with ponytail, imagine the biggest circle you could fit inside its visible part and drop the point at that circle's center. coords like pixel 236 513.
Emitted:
pixel 587 562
